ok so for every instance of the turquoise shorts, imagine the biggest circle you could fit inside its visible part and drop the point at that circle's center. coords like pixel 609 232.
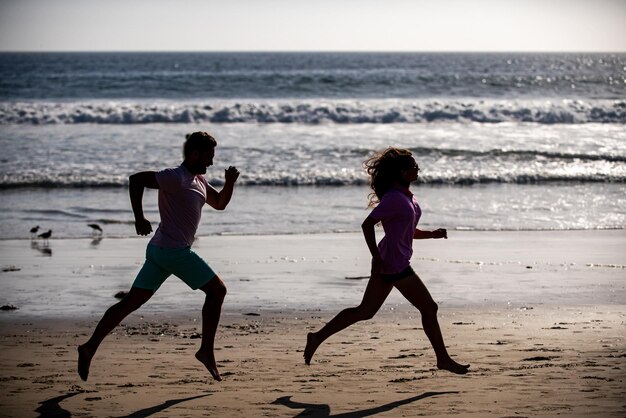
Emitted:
pixel 181 262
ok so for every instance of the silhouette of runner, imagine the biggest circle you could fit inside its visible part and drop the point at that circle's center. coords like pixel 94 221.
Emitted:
pixel 183 191
pixel 391 173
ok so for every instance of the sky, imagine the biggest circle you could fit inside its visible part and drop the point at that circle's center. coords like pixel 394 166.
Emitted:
pixel 313 25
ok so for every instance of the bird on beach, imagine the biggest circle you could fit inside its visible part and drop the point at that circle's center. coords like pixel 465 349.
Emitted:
pixel 45 235
pixel 96 228
pixel 34 230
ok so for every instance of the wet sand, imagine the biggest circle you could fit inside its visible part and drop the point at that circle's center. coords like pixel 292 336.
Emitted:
pixel 546 339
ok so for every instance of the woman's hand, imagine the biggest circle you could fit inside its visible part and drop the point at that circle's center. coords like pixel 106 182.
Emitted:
pixel 436 234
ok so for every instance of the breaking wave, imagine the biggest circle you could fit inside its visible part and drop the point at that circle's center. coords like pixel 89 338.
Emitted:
pixel 315 112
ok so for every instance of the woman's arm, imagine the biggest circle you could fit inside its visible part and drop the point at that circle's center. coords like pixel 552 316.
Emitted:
pixel 437 233
pixel 370 239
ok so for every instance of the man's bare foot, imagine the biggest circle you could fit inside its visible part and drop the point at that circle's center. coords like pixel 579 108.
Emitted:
pixel 452 366
pixel 311 347
pixel 84 361
pixel 209 362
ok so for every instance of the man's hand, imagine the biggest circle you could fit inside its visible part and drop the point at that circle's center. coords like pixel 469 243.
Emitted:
pixel 143 226
pixel 440 233
pixel 231 174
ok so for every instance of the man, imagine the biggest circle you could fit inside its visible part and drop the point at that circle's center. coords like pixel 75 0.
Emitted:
pixel 183 191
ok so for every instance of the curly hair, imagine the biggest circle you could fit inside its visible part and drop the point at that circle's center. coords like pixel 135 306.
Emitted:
pixel 385 168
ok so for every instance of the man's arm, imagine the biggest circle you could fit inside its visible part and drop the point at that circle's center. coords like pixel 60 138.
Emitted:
pixel 136 183
pixel 219 200
pixel 437 233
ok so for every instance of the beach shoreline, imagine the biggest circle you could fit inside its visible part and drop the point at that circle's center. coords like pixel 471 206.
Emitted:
pixel 79 277
pixel 539 315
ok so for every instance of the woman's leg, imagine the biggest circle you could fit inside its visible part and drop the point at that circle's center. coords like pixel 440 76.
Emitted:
pixel 373 298
pixel 414 290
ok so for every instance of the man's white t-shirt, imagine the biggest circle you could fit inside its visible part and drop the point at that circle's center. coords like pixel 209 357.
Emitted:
pixel 181 198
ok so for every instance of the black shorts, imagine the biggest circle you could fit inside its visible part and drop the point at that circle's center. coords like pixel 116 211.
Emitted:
pixel 392 278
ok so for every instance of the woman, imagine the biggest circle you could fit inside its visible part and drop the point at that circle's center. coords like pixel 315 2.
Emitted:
pixel 391 173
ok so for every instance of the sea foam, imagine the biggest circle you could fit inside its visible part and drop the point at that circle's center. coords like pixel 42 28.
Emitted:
pixel 315 112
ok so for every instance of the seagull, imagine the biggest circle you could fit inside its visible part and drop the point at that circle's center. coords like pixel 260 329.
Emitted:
pixel 96 228
pixel 46 235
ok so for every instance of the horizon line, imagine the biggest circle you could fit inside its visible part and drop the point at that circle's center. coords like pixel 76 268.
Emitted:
pixel 321 51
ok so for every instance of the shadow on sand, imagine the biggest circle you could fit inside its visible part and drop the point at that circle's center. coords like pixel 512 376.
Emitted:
pixel 323 410
pixel 51 407
pixel 95 241
pixel 44 249
pixel 161 407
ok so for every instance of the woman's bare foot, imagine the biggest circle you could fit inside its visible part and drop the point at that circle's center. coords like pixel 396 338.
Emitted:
pixel 311 347
pixel 452 366
pixel 84 361
pixel 209 362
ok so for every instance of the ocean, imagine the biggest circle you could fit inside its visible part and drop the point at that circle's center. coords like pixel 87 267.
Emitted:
pixel 504 141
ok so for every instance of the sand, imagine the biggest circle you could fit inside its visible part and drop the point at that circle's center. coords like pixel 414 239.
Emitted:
pixel 539 315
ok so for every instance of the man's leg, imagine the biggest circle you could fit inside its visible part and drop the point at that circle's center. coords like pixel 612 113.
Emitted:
pixel 215 291
pixel 112 317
